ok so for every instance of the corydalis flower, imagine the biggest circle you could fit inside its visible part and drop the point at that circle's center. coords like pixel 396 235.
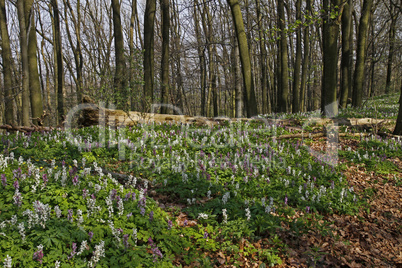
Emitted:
pixel 75 180
pixel 38 255
pixel 205 235
pixel 16 185
pixel 4 181
pixel 70 215
pixel 73 251
pixel 151 216
pixel 125 241
pixel 170 224
pixel 8 262
pixel 155 250
pixel 91 234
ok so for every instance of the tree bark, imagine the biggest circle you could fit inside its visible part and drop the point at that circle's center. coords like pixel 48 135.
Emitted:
pixel 59 61
pixel 398 126
pixel 120 85
pixel 34 82
pixel 306 59
pixel 297 67
pixel 238 87
pixel 391 40
pixel 346 64
pixel 283 78
pixel 266 107
pixel 149 65
pixel 75 46
pixel 201 57
pixel 165 56
pixel 244 58
pixel 358 82
pixel 24 61
pixel 330 34
pixel 7 61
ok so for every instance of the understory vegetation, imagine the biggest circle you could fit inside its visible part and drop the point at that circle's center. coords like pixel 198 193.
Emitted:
pixel 164 195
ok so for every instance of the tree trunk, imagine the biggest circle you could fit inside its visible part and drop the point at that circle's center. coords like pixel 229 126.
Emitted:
pixel 201 57
pixel 165 56
pixel 244 58
pixel 346 64
pixel 306 59
pixel 7 59
pixel 149 65
pixel 59 61
pixel 283 79
pixel 238 86
pixel 34 83
pixel 263 61
pixel 296 76
pixel 391 41
pixel 24 61
pixel 358 82
pixel 120 61
pixel 398 126
pixel 330 33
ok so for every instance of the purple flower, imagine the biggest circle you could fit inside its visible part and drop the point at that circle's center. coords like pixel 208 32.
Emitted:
pixel 91 234
pixel 75 180
pixel 44 177
pixel 142 211
pixel 151 216
pixel 3 179
pixel 70 215
pixel 205 235
pixel 18 199
pixel 84 193
pixel 127 197
pixel 286 199
pixel 113 194
pixel 93 196
pixel 307 209
pixel 170 224
pixel 38 255
pixel 185 222
pixel 16 185
pixel 74 250
pixel 125 241
pixel 332 185
pixel 129 215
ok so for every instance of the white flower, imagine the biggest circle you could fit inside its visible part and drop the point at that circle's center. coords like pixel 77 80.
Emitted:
pixel 120 207
pixel 57 264
pixel 14 220
pixel 8 262
pixel 225 197
pixel 57 211
pixel 135 236
pixel 225 216
pixel 203 216
pixel 80 219
pixel 248 214
pixel 99 252
pixel 82 247
pixel 21 229
pixel 109 203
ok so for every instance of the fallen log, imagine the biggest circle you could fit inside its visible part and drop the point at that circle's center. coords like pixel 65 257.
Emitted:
pixel 25 129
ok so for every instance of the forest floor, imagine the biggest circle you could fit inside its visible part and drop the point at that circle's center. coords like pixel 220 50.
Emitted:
pixel 372 238
pixel 229 194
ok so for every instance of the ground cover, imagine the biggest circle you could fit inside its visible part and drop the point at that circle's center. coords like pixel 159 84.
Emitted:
pixel 224 195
